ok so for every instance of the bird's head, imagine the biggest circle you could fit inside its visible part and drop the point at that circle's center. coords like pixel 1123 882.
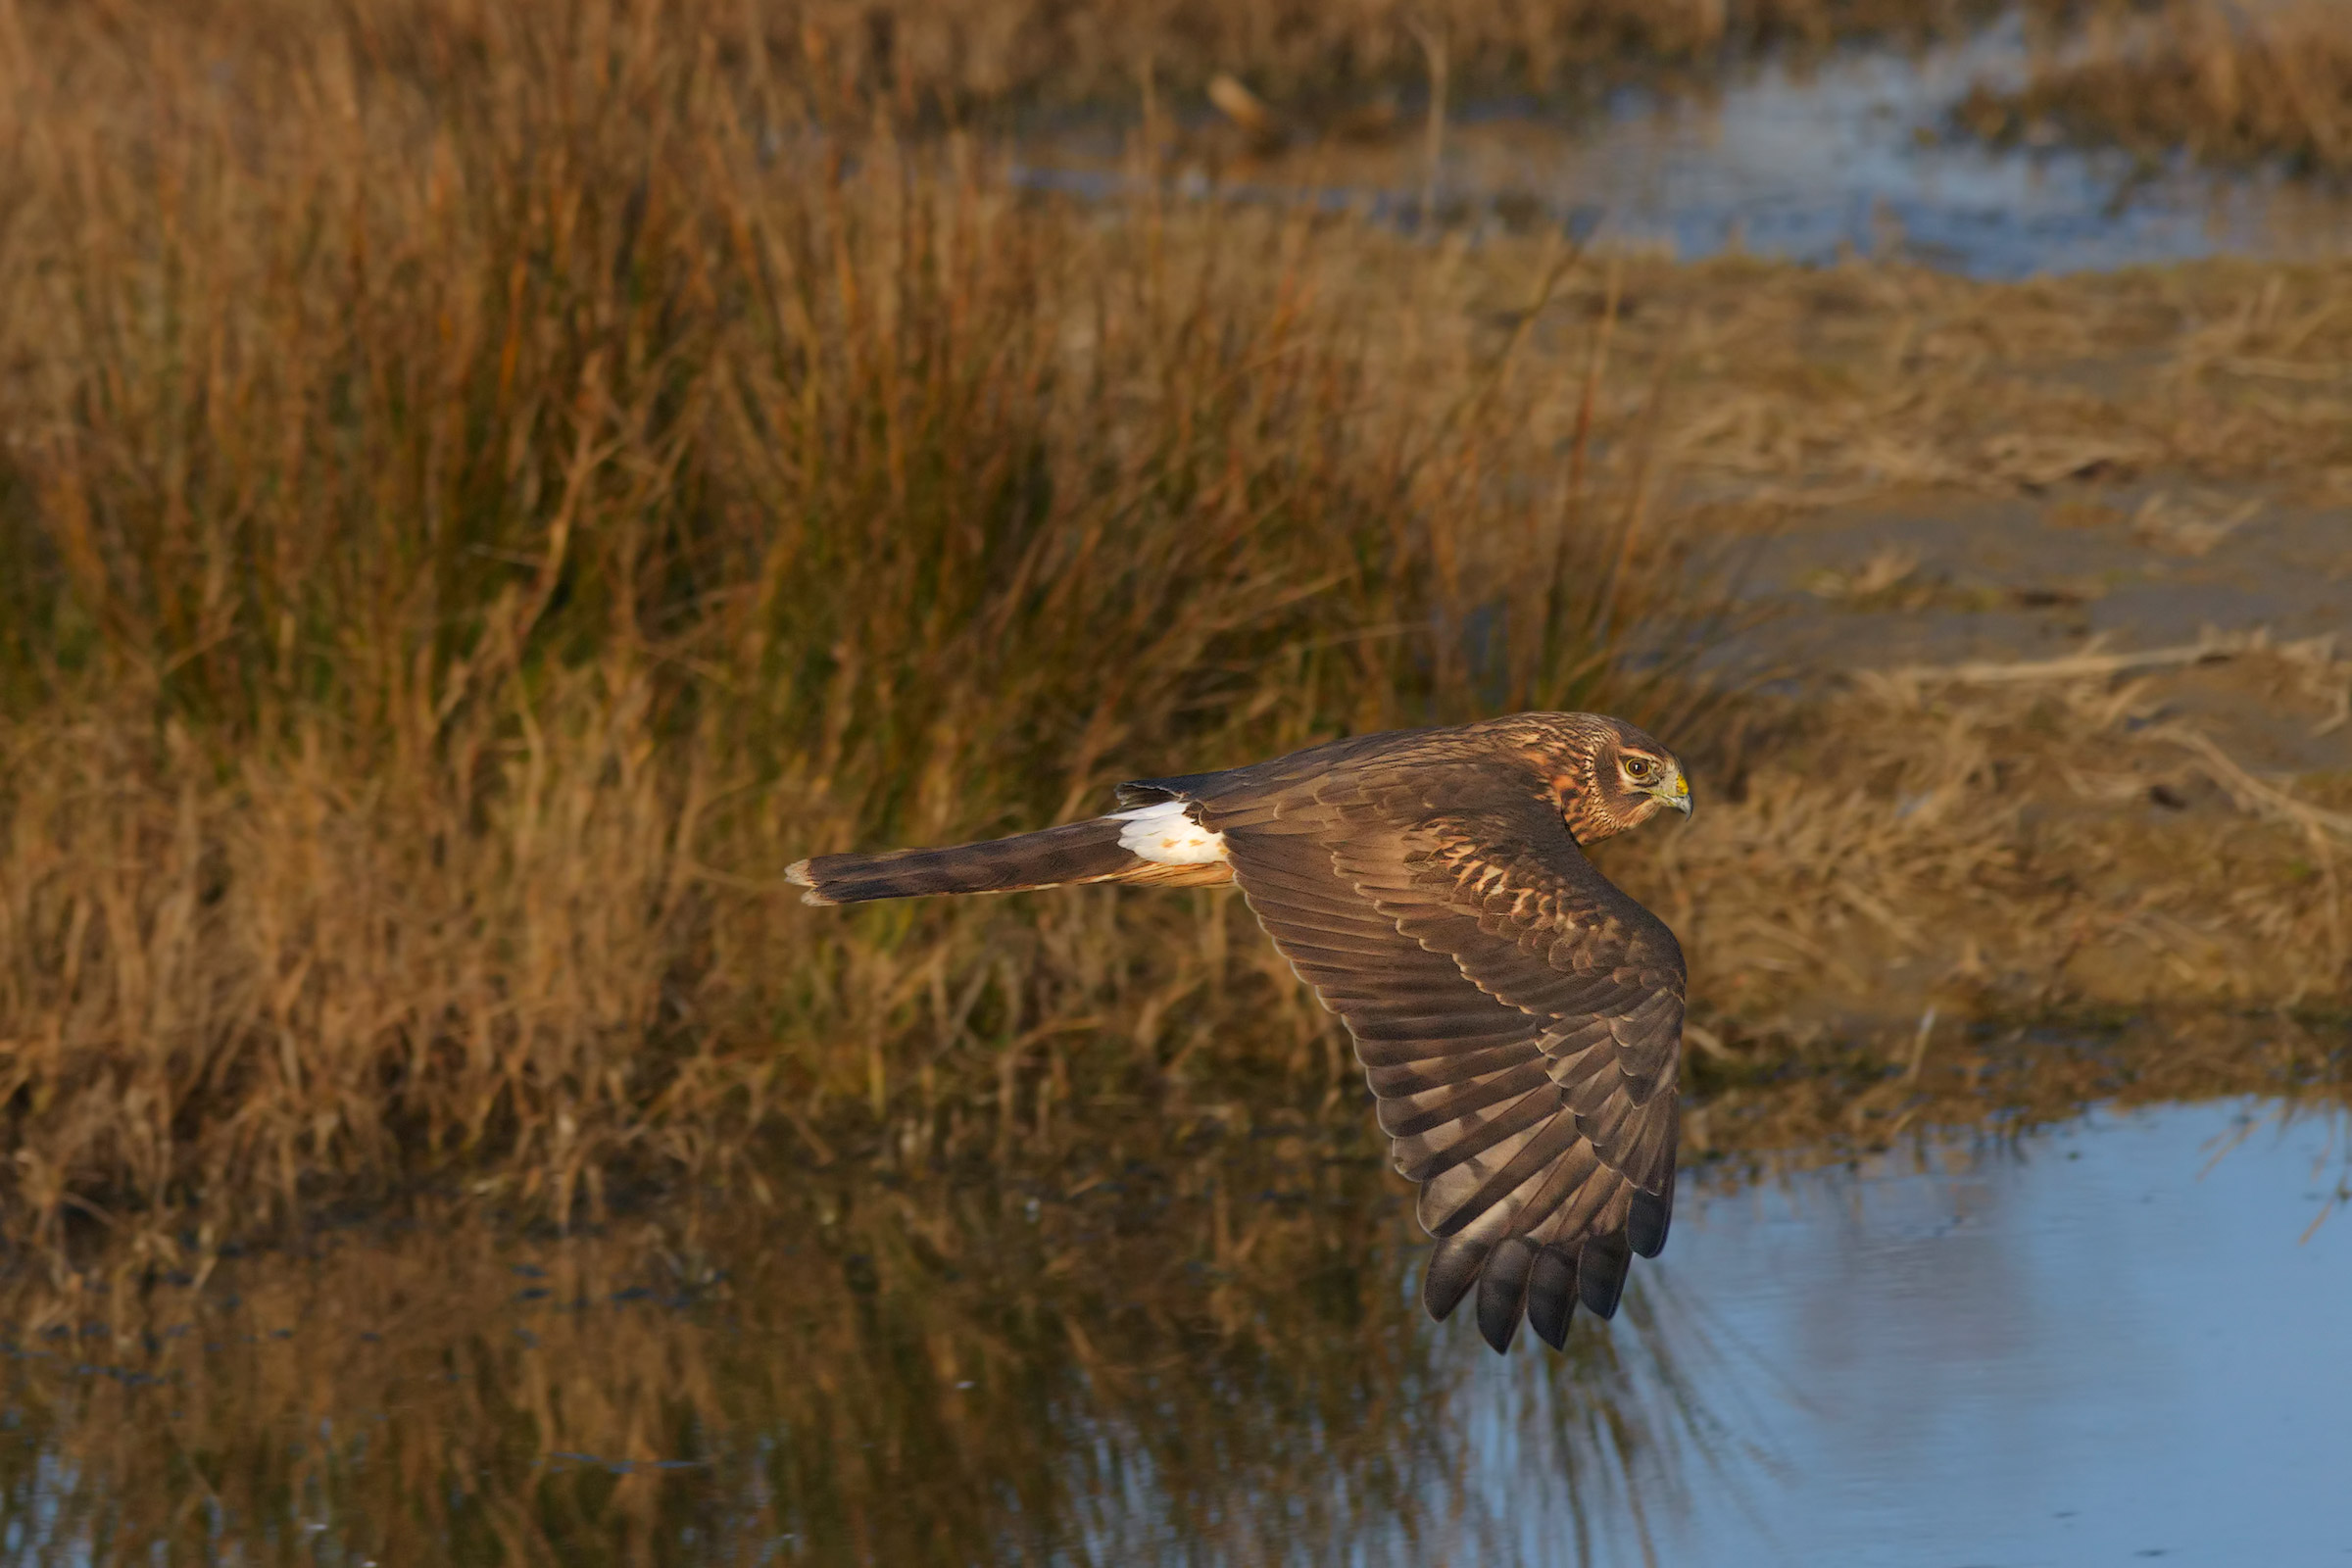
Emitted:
pixel 1610 776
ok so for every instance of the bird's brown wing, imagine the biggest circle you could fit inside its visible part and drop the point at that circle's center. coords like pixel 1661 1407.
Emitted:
pixel 1518 1017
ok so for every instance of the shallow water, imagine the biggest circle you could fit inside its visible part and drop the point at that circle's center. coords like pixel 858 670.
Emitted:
pixel 1855 154
pixel 2112 1341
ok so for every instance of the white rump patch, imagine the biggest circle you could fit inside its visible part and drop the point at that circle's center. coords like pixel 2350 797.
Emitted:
pixel 1165 835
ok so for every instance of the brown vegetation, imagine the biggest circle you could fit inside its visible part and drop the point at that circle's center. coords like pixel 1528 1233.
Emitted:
pixel 478 504
pixel 2221 81
pixel 2031 837
pixel 484 489
pixel 971 52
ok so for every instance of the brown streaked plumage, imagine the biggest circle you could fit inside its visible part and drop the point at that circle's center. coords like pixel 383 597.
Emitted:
pixel 1519 1017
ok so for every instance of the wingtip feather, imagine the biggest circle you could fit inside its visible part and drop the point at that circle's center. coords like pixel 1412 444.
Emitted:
pixel 1600 1269
pixel 1453 1269
pixel 1551 1294
pixel 1653 1214
pixel 797 874
pixel 1502 1291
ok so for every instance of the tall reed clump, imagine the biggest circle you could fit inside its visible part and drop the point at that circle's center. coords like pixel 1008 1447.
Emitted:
pixel 484 487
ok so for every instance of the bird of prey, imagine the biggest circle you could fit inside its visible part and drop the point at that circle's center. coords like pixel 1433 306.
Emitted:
pixel 1518 1017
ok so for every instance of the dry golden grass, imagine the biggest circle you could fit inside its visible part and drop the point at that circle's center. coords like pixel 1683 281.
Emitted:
pixel 2223 81
pixel 969 52
pixel 479 495
pixel 479 499
pixel 1794 390
pixel 2031 845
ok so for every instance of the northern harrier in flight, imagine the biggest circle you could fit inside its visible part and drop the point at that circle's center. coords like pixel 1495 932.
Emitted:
pixel 1519 1019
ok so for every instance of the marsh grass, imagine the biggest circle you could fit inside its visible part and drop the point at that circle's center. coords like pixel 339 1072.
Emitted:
pixel 2003 849
pixel 2222 82
pixel 486 488
pixel 970 55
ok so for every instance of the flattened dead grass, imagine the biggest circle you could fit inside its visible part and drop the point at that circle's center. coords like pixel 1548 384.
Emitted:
pixel 2034 837
pixel 1797 390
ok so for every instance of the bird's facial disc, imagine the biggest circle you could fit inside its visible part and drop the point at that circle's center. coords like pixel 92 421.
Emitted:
pixel 1657 775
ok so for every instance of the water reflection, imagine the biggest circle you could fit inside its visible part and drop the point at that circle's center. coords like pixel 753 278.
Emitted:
pixel 1203 1351
pixel 1206 1349
pixel 2113 1343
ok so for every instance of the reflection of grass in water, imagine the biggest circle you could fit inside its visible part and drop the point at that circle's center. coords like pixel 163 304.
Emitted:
pixel 1182 1370
pixel 1168 1344
pixel 1591 1455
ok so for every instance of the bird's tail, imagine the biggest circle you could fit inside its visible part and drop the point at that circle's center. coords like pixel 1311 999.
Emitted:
pixel 1101 849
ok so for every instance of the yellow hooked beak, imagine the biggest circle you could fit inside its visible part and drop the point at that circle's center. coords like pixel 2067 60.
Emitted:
pixel 1675 792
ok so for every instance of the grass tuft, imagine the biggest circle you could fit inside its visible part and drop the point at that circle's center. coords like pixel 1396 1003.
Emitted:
pixel 489 488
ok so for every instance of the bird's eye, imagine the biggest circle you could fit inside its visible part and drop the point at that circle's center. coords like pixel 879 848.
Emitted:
pixel 1636 767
